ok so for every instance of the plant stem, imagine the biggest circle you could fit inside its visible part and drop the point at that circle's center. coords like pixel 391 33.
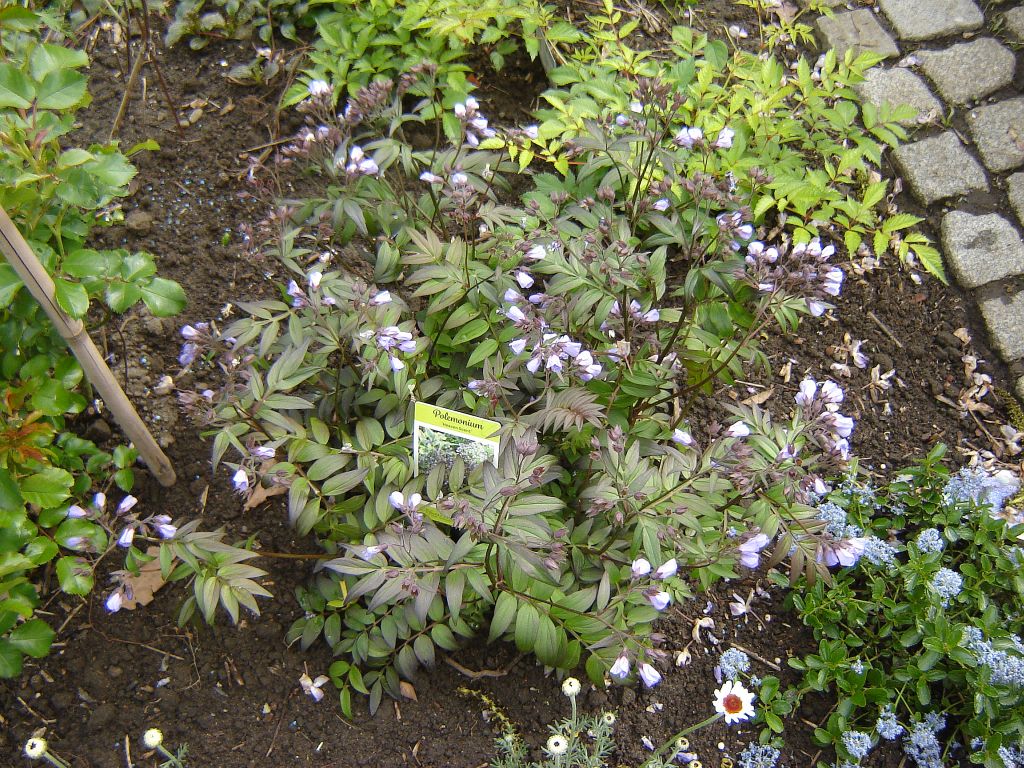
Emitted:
pixel 685 732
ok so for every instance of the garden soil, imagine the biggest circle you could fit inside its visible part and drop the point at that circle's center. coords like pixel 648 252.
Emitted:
pixel 232 693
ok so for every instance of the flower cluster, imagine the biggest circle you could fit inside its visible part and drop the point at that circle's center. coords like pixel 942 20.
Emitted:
pixel 843 544
pixel 473 122
pixel 657 596
pixel 921 744
pixel 801 271
pixel 1005 668
pixel 689 137
pixel 193 335
pixel 358 163
pixel 756 755
pixel 879 553
pixel 550 351
pixel 129 522
pixel 750 549
pixel 930 541
pixel 732 663
pixel 392 340
pixel 987 490
pixel 857 743
pixel 887 726
pixel 820 404
pixel 947 584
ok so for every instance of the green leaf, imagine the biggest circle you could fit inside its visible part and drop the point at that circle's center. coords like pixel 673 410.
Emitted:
pixel 87 263
pixel 15 88
pixel 62 89
pixel 74 575
pixel 40 550
pixel 71 297
pixel 47 488
pixel 16 17
pixel 164 297
pixel 10 660
pixel 10 496
pixel 471 330
pixel 33 638
pixel 527 627
pixel 344 482
pixel 112 169
pixel 504 612
pixel 9 284
pixel 47 58
pixel 483 350
pixel 122 296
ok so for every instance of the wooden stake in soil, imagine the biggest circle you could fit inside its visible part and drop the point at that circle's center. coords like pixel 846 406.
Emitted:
pixel 37 280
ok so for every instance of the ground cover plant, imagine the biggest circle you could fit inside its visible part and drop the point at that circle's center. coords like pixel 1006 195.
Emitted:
pixel 921 642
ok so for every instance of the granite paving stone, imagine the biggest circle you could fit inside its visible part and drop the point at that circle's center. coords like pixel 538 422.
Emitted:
pixel 1019 389
pixel 998 132
pixel 969 71
pixel 928 19
pixel 980 249
pixel 939 167
pixel 858 30
pixel 1004 318
pixel 1015 189
pixel 1015 23
pixel 895 87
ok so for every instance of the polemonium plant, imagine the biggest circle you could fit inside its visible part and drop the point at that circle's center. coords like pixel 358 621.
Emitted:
pixel 552 316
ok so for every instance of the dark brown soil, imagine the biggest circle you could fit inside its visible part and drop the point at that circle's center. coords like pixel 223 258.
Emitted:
pixel 232 693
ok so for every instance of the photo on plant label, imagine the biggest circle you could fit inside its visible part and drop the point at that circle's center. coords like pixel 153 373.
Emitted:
pixel 434 446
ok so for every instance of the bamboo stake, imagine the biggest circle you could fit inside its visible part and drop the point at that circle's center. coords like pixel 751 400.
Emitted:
pixel 40 285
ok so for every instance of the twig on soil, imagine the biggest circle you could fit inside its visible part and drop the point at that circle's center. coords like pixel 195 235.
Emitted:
pixel 60 632
pixel 885 329
pixel 26 706
pixel 483 672
pixel 267 145
pixel 981 426
pixel 281 718
pixel 762 659
pixel 141 645
pixel 129 86
pixel 128 752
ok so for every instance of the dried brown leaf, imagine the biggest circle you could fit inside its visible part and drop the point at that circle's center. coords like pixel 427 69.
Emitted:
pixel 786 12
pixel 146 584
pixel 760 397
pixel 407 690
pixel 261 493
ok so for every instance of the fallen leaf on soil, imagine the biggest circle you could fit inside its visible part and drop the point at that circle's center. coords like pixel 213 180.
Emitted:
pixel 963 334
pixel 759 398
pixel 261 494
pixel 786 11
pixel 146 584
pixel 407 690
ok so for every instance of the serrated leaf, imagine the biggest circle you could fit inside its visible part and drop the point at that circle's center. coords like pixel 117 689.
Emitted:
pixel 163 297
pixel 10 659
pixel 33 638
pixel 61 89
pixel 16 90
pixel 71 297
